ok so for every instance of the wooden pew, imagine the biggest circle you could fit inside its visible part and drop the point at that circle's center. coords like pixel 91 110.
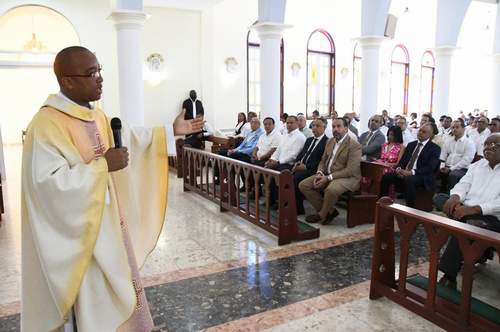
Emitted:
pixel 455 312
pixel 199 177
pixel 361 204
pixel 219 143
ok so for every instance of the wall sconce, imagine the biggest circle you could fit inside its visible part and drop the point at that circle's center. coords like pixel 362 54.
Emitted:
pixel 155 69
pixel 231 64
pixel 295 68
pixel 344 72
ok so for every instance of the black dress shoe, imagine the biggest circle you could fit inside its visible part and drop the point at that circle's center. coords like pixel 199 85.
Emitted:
pixel 447 282
pixel 330 216
pixel 313 218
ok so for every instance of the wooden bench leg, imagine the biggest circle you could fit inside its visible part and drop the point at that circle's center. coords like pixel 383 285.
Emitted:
pixel 361 210
pixel 423 201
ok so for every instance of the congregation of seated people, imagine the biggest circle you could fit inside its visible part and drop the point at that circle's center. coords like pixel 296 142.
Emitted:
pixel 458 163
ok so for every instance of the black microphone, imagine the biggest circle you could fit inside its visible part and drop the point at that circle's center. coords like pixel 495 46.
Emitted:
pixel 116 126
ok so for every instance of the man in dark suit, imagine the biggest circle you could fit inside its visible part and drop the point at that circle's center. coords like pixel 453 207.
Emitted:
pixel 306 162
pixel 308 159
pixel 372 140
pixel 193 108
pixel 416 168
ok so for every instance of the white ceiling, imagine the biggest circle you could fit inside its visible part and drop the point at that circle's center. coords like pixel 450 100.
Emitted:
pixel 182 4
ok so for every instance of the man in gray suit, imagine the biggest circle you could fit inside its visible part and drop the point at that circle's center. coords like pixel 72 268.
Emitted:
pixel 338 171
pixel 372 140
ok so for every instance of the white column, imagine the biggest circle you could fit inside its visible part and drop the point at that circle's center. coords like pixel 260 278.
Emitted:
pixel 129 25
pixel 496 86
pixel 370 77
pixel 270 34
pixel 443 56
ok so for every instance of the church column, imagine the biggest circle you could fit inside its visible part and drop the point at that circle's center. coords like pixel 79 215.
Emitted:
pixel 129 25
pixel 370 73
pixel 270 34
pixel 496 86
pixel 443 56
pixel 496 70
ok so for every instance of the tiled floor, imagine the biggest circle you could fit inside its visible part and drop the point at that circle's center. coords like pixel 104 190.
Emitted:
pixel 215 271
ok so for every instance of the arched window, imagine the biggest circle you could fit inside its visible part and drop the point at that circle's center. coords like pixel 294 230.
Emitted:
pixel 356 79
pixel 427 81
pixel 253 73
pixel 400 72
pixel 320 73
pixel 30 37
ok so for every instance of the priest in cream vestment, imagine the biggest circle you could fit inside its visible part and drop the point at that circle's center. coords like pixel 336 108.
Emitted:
pixel 91 213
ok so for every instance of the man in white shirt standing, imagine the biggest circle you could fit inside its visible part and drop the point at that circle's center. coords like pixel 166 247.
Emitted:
pixel 474 200
pixel 478 135
pixel 407 134
pixel 456 156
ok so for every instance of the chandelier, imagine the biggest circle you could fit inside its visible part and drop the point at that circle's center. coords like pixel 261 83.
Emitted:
pixel 34 45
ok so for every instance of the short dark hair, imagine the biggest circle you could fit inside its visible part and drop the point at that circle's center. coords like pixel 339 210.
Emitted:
pixel 414 114
pixel 285 115
pixel 268 118
pixel 316 112
pixel 398 134
pixel 431 119
pixel 293 116
pixel 344 121
pixel 442 117
pixel 325 121
pixel 449 118
pixel 435 130
pixel 462 122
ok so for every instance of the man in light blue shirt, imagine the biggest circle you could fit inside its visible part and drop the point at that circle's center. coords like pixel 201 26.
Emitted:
pixel 244 151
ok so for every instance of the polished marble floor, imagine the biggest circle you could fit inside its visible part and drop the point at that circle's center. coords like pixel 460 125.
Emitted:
pixel 213 271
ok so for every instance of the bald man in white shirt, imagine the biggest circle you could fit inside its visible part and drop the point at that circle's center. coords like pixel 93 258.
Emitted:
pixel 456 155
pixel 474 200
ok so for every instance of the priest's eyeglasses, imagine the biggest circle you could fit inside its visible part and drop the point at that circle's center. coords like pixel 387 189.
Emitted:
pixel 92 74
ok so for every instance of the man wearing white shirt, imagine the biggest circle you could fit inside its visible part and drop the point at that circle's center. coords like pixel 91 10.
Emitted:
pixel 267 144
pixel 407 133
pixel 290 146
pixel 474 200
pixel 445 128
pixel 192 107
pixel 478 135
pixel 303 126
pixel 456 156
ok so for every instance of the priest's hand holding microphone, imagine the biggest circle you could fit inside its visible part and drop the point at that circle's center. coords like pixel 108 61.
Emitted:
pixel 118 157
